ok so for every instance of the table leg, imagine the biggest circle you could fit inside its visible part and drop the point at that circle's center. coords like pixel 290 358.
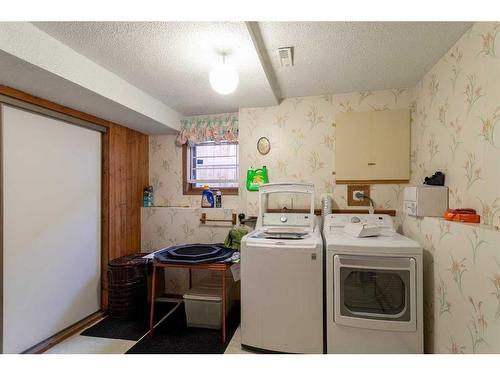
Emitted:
pixel 223 306
pixel 152 310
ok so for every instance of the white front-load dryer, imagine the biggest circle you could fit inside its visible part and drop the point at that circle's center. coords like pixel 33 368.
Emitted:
pixel 374 289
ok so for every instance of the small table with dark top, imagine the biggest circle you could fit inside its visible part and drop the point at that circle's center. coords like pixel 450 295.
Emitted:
pixel 222 267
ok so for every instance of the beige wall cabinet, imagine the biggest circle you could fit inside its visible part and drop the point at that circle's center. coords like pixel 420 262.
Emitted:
pixel 373 147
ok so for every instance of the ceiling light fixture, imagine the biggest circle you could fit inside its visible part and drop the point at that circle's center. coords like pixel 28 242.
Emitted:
pixel 224 78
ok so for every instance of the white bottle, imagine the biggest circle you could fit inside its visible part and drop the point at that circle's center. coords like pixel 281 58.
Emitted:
pixel 218 199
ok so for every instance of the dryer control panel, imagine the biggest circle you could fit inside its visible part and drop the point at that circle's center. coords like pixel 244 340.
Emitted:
pixel 340 220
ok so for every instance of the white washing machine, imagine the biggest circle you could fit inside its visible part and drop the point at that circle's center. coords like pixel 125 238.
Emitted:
pixel 282 278
pixel 374 291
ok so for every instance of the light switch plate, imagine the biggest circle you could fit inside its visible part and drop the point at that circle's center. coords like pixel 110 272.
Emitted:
pixel 351 191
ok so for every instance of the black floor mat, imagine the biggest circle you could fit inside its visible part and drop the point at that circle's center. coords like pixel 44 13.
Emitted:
pixel 172 336
pixel 128 329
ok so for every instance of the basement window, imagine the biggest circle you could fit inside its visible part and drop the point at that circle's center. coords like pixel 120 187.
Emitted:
pixel 212 164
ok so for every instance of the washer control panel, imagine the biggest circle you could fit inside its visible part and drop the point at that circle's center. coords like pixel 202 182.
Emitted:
pixel 272 219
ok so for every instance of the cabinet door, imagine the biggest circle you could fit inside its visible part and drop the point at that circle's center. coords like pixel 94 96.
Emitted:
pixel 390 145
pixel 352 146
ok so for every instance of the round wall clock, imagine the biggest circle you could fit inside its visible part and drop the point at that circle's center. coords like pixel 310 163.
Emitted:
pixel 263 145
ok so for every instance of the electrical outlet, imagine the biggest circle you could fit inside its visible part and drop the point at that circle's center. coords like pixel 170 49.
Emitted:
pixel 354 193
pixel 351 195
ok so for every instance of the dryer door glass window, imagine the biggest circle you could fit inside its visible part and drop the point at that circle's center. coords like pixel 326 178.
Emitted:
pixel 375 293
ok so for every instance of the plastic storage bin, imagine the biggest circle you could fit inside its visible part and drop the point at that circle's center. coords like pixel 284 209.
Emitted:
pixel 203 303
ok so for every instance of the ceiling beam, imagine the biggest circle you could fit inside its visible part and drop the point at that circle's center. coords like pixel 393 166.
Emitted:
pixel 260 48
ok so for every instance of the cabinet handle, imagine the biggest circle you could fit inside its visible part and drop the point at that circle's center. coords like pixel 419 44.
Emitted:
pixel 371 163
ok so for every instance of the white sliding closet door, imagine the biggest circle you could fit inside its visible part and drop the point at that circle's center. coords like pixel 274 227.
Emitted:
pixel 51 226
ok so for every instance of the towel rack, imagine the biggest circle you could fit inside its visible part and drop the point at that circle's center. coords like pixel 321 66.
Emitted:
pixel 203 219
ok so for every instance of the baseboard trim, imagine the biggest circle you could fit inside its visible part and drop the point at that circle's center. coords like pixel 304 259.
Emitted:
pixel 64 334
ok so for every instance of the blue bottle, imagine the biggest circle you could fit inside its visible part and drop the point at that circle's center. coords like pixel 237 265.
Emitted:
pixel 207 198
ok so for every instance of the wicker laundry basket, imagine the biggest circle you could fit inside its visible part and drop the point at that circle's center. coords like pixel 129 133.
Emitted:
pixel 128 286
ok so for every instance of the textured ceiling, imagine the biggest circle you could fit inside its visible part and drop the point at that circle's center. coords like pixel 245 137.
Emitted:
pixel 171 60
pixel 341 57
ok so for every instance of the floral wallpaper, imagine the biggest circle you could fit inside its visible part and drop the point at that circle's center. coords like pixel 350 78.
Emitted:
pixel 461 285
pixel 456 109
pixel 176 220
pixel 165 171
pixel 168 226
pixel 455 112
pixel 302 136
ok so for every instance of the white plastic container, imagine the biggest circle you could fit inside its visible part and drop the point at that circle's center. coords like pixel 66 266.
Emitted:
pixel 203 303
pixel 425 200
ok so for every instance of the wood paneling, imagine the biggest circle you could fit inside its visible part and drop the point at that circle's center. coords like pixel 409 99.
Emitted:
pixel 371 182
pixel 317 211
pixel 124 175
pixel 126 178
pixel 9 91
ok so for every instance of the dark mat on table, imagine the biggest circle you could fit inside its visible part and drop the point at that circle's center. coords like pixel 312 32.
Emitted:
pixel 112 328
pixel 172 336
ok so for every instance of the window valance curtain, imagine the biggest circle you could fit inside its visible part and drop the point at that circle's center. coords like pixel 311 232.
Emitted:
pixel 216 129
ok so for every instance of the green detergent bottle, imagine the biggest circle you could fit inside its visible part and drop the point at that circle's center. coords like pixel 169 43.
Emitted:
pixel 256 177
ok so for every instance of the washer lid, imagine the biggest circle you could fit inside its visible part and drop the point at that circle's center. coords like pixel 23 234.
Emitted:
pixel 263 238
pixel 282 233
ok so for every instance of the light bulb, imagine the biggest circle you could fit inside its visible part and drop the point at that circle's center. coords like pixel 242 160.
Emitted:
pixel 224 79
